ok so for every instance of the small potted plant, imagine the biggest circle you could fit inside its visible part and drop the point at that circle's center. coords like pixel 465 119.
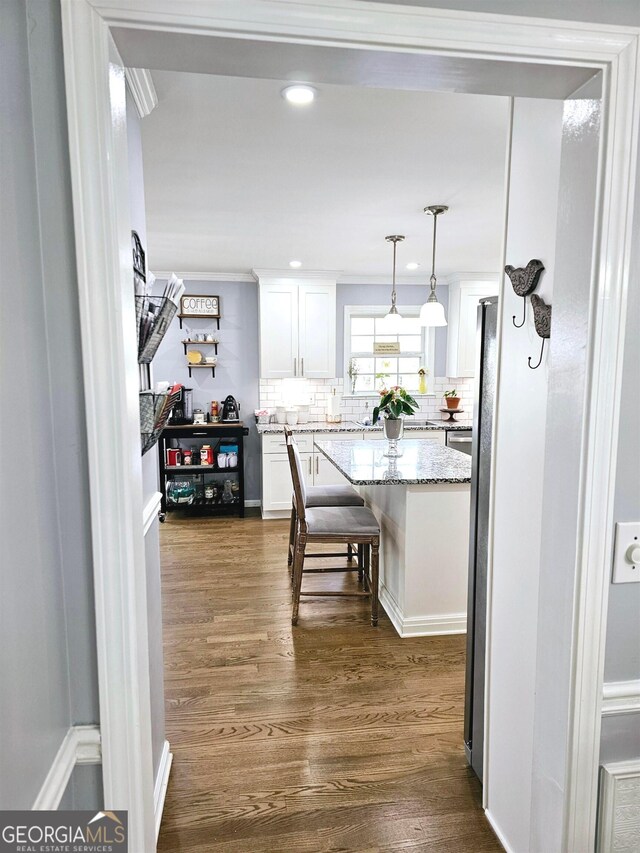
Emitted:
pixel 451 399
pixel 394 404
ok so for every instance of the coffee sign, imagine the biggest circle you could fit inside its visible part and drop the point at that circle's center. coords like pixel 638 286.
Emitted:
pixel 199 306
pixel 386 348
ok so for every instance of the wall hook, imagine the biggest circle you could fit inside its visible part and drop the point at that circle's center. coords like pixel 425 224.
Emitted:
pixel 524 316
pixel 536 366
pixel 524 281
pixel 542 322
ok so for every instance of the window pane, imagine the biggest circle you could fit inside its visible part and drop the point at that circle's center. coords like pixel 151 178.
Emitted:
pixel 365 383
pixel 386 339
pixel 411 343
pixel 364 365
pixel 410 381
pixel 380 329
pixel 362 343
pixel 362 325
pixel 411 326
pixel 408 365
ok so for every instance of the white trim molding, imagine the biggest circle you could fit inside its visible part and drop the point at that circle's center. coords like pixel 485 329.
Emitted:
pixel 142 90
pixel 620 697
pixel 499 833
pixel 619 815
pixel 150 511
pixel 162 781
pixel 421 626
pixel 81 745
pixel 208 276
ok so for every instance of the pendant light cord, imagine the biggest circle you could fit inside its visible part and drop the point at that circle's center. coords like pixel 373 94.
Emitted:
pixel 433 254
pixel 393 289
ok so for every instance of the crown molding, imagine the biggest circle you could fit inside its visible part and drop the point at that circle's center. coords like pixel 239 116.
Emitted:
pixel 415 279
pixel 142 90
pixel 297 275
pixel 207 276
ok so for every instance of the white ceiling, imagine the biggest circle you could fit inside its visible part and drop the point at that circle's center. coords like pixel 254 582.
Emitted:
pixel 237 178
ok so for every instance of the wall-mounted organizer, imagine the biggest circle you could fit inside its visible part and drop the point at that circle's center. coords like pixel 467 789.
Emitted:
pixel 201 307
pixel 153 317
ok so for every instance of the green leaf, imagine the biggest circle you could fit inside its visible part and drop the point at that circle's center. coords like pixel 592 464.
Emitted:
pixel 396 408
pixel 376 414
pixel 406 408
pixel 409 399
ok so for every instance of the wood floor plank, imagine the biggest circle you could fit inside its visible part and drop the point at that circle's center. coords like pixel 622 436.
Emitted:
pixel 331 737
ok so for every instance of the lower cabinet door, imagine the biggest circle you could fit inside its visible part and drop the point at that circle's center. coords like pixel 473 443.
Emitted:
pixel 326 474
pixel 277 487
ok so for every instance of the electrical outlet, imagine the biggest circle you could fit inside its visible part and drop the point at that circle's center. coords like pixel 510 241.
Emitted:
pixel 626 554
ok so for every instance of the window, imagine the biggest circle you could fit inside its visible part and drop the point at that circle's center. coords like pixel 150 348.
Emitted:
pixel 365 337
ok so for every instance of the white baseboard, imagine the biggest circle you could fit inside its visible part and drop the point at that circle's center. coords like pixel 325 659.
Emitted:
pixel 619 811
pixel 160 788
pixel 620 697
pixel 421 626
pixel 276 514
pixel 498 832
pixel 80 745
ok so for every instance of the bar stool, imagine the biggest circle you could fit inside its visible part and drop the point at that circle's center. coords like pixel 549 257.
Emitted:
pixel 343 524
pixel 321 496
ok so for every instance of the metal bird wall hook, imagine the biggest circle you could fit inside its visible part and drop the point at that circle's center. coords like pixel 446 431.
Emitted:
pixel 524 281
pixel 542 322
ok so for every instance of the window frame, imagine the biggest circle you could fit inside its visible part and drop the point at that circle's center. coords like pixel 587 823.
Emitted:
pixel 376 312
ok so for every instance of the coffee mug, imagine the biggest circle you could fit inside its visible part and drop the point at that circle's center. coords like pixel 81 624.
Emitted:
pixel 232 459
pixel 222 460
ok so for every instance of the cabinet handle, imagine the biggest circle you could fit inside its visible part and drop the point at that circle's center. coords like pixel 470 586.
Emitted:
pixel 310 469
pixel 295 366
pixel 317 464
pixel 302 366
pixel 199 433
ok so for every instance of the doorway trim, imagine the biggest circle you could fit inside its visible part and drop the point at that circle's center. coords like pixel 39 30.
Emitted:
pixel 112 417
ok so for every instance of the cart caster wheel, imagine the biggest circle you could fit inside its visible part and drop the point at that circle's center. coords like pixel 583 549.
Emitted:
pixel 162 517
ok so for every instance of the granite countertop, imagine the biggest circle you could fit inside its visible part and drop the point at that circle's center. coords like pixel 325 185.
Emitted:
pixel 423 462
pixel 352 426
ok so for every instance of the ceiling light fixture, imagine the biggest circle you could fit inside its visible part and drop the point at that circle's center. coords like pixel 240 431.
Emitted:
pixel 412 265
pixel 392 319
pixel 295 265
pixel 432 312
pixel 299 95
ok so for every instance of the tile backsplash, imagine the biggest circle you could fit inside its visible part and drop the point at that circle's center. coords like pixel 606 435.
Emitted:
pixel 315 392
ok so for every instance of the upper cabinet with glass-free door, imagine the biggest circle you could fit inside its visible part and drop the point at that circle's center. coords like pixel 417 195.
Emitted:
pixel 297 326
pixel 464 296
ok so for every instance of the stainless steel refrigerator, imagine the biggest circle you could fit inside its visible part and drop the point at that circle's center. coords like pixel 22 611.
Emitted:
pixel 485 391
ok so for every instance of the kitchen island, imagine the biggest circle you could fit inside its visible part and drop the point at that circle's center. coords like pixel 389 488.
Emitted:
pixel 421 501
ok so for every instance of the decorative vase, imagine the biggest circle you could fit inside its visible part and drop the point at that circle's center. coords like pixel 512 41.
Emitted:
pixel 452 402
pixel 353 384
pixel 393 429
pixel 422 384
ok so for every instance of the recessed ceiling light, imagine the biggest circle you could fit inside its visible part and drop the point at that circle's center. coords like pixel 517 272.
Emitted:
pixel 295 264
pixel 412 265
pixel 299 95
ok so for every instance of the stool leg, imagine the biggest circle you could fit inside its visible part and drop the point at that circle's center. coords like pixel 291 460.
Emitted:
pixel 349 552
pixel 375 545
pixel 298 564
pixel 360 563
pixel 292 535
pixel 365 565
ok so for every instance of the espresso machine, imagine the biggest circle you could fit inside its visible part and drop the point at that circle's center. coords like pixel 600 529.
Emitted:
pixel 230 410
pixel 182 412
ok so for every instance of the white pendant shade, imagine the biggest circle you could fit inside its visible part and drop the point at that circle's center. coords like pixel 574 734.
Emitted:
pixel 432 314
pixel 392 323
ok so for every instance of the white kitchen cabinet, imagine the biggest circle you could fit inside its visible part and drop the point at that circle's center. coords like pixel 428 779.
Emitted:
pixel 326 474
pixel 464 295
pixel 277 488
pixel 297 326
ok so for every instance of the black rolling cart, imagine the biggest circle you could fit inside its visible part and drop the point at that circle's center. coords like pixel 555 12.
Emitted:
pixel 214 488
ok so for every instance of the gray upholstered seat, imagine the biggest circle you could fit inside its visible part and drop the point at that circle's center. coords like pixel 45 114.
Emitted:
pixel 333 496
pixel 342 521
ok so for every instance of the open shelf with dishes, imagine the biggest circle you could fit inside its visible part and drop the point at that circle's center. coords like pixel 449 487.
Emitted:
pixel 202 468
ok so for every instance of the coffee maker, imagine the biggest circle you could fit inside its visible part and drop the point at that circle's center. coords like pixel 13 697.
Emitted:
pixel 182 412
pixel 230 410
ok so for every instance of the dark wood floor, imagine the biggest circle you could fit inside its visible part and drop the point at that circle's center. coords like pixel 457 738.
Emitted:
pixel 333 736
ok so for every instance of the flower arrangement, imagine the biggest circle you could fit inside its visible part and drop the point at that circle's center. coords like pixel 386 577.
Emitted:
pixel 393 403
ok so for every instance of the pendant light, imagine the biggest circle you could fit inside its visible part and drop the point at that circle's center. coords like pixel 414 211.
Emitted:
pixel 392 320
pixel 432 312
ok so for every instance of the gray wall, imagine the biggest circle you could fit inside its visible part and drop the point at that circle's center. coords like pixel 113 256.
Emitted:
pixel 380 294
pixel 48 661
pixel 149 467
pixel 237 370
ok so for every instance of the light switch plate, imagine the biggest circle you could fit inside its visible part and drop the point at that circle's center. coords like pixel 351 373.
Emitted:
pixel 627 536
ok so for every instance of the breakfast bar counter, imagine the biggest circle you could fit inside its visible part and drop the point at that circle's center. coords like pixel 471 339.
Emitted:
pixel 421 500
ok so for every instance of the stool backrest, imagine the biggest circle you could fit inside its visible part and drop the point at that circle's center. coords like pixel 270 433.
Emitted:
pixel 299 490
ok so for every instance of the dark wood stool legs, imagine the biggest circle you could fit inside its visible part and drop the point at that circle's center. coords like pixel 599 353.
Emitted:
pixel 292 535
